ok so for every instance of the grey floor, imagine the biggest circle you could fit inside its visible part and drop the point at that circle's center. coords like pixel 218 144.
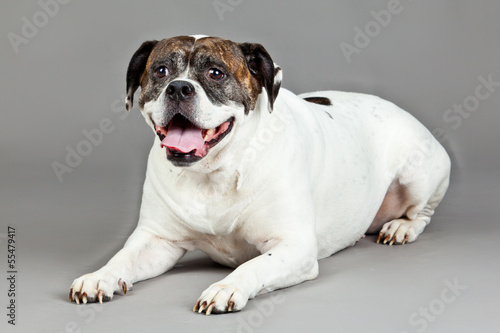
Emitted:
pixel 445 282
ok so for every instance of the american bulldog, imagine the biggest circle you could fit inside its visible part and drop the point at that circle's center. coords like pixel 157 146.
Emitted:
pixel 261 179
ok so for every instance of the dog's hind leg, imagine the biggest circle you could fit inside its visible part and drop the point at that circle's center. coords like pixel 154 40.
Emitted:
pixel 412 199
pixel 407 228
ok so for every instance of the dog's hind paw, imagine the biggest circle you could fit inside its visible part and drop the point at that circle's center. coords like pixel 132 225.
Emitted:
pixel 399 231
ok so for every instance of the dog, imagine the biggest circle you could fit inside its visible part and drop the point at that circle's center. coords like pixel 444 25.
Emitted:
pixel 260 179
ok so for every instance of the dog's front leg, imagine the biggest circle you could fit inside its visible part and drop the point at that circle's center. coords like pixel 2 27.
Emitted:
pixel 145 255
pixel 285 264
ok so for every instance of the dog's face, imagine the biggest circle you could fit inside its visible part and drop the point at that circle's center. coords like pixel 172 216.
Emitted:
pixel 196 90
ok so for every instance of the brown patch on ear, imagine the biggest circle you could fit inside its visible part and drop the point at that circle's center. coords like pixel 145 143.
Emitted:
pixel 261 66
pixel 135 71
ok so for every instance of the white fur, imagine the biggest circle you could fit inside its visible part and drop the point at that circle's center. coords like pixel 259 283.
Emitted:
pixel 283 190
pixel 196 37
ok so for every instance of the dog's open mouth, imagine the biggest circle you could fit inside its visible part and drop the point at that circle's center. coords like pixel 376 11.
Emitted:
pixel 186 143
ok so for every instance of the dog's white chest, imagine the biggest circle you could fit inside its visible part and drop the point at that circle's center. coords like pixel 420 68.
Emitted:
pixel 205 206
pixel 212 217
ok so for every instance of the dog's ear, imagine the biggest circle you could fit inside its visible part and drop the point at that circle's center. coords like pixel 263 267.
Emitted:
pixel 135 70
pixel 262 67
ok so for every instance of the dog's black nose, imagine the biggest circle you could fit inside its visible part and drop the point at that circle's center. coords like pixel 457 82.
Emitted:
pixel 180 90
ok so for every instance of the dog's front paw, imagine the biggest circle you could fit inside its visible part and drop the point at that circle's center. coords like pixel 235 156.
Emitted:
pixel 221 298
pixel 96 287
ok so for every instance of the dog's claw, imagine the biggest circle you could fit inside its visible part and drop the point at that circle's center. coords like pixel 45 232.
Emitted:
pixel 77 297
pixel 71 295
pixel 209 309
pixel 404 240
pixel 392 241
pixel 379 237
pixel 230 306
pixel 386 239
pixel 84 298
pixel 99 296
pixel 203 306
pixel 196 306
pixel 123 285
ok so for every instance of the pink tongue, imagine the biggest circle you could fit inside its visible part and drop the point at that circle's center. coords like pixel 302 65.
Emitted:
pixel 183 136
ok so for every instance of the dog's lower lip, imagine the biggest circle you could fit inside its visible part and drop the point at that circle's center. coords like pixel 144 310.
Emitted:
pixel 180 154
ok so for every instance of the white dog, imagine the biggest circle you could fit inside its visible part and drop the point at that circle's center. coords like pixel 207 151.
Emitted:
pixel 261 179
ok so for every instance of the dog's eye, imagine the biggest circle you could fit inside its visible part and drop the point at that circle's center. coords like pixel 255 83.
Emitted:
pixel 161 72
pixel 216 74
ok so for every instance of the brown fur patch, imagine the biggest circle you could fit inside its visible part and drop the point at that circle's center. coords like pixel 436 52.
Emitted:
pixel 181 45
pixel 228 55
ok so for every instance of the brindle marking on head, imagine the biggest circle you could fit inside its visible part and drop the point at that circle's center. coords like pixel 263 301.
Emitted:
pixel 248 68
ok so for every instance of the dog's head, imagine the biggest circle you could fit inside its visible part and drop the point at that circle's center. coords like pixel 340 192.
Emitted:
pixel 196 89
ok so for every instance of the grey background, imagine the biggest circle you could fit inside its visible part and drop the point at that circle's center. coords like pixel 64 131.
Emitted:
pixel 70 75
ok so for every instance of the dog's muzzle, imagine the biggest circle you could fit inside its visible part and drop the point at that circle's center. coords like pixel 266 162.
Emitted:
pixel 184 141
